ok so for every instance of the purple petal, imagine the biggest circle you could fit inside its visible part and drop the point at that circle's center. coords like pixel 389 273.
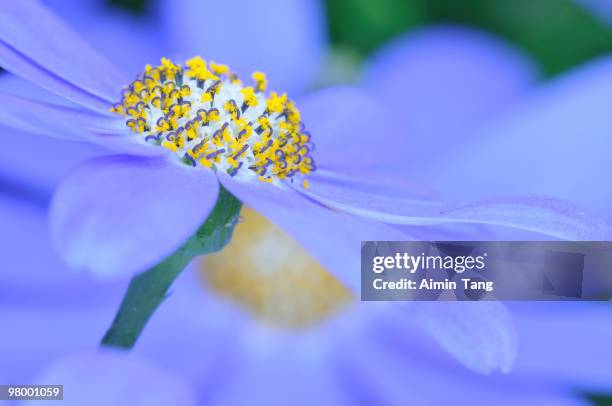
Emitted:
pixel 440 83
pixel 127 380
pixel 577 333
pixel 123 214
pixel 42 278
pixel 397 367
pixel 47 119
pixel 557 143
pixel 546 216
pixel 479 335
pixel 57 117
pixel 332 238
pixel 20 65
pixel 39 163
pixel 38 333
pixel 128 39
pixel 18 86
pixel 38 45
pixel 285 39
pixel 350 129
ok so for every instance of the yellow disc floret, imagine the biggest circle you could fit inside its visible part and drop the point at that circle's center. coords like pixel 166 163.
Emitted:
pixel 270 275
pixel 203 113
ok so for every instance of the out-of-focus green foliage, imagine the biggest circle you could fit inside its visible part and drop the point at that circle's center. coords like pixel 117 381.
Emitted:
pixel 601 400
pixel 557 33
pixel 365 24
pixel 136 6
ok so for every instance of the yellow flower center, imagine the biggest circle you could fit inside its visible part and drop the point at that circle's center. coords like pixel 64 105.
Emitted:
pixel 204 114
pixel 270 274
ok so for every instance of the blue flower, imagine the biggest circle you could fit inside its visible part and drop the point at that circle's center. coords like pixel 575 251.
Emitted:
pixel 123 213
pixel 154 192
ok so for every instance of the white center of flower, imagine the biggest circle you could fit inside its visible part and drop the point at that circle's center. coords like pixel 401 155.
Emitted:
pixel 208 118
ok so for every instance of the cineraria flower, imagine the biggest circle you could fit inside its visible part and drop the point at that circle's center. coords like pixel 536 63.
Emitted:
pixel 186 129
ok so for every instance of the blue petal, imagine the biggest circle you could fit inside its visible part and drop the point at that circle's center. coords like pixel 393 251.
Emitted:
pixel 32 273
pixel 285 39
pixel 123 214
pixel 479 335
pixel 566 343
pixel 127 380
pixel 18 64
pixel 38 117
pixel 546 216
pixel 36 44
pixel 332 238
pixel 127 39
pixel 351 130
pixel 18 86
pixel 39 333
pixel 557 144
pixel 41 159
pixel 37 164
pixel 399 366
pixel 440 83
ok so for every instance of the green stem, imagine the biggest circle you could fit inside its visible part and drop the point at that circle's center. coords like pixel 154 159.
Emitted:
pixel 148 289
pixel 145 293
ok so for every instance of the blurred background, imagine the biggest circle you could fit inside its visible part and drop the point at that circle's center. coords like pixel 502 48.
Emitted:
pixel 558 36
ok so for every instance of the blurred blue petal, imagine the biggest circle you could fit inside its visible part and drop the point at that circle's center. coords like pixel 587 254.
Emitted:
pixel 352 131
pixel 441 82
pixel 122 214
pixel 130 40
pixel 285 39
pixel 309 222
pixel 39 163
pixel 41 334
pixel 557 143
pixel 38 45
pixel 115 378
pixel 479 335
pixel 395 371
pixel 567 343
pixel 32 272
pixel 366 355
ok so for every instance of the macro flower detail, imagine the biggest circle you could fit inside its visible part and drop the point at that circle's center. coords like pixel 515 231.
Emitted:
pixel 208 118
pixel 126 213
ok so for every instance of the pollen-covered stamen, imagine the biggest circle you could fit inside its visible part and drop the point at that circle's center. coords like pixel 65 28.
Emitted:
pixel 204 113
